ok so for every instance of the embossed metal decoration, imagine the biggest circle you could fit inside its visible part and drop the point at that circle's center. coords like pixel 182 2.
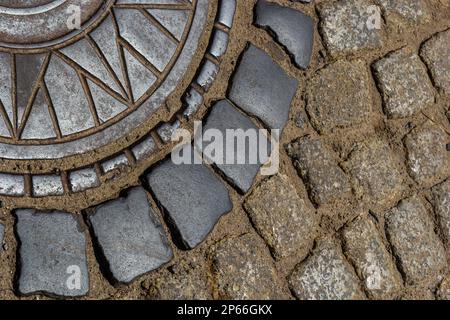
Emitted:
pixel 83 83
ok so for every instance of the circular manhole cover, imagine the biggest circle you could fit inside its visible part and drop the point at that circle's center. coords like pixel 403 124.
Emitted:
pixel 83 84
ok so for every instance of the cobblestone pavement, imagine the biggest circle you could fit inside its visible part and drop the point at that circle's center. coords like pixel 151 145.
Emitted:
pixel 93 207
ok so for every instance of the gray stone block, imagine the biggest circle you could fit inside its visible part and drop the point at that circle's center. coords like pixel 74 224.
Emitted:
pixel 193 197
pixel 225 117
pixel 410 231
pixel 130 236
pixel 293 29
pixel 262 88
pixel 52 253
pixel 325 275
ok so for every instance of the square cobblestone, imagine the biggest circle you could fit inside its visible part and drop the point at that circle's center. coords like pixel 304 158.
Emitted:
pixel 130 236
pixel 244 270
pixel 404 83
pixel 287 222
pixel 375 173
pixel 441 203
pixel 428 158
pixel 410 231
pixel 192 196
pixel 319 170
pixel 339 95
pixel 364 246
pixel 223 117
pixel 348 26
pixel 52 254
pixel 262 88
pixel 326 275
pixel 435 52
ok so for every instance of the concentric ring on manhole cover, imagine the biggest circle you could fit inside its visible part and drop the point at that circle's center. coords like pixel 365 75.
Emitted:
pixel 43 23
pixel 76 105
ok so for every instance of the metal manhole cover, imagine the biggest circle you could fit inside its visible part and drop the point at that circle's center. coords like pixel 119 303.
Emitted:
pixel 84 83
pixel 34 24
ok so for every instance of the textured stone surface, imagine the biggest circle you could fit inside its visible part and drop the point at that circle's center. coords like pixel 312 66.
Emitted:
pixel 411 233
pixel 346 28
pixel 130 236
pixel 428 158
pixel 413 10
pixel 243 269
pixel 293 29
pixel 242 171
pixel 287 222
pixel 325 275
pixel 418 294
pixel 262 88
pixel 2 233
pixel 339 95
pixel 444 289
pixel 319 170
pixel 375 172
pixel 52 254
pixel 441 203
pixel 193 197
pixel 365 248
pixel 404 84
pixel 435 52
pixel 184 281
